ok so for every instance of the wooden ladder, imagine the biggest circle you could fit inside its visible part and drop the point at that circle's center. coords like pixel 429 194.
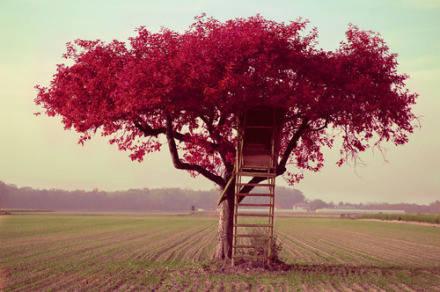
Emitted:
pixel 253 240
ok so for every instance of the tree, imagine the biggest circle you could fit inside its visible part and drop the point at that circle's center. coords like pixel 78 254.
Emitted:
pixel 318 204
pixel 190 87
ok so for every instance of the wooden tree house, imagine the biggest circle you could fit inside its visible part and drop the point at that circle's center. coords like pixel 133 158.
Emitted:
pixel 257 155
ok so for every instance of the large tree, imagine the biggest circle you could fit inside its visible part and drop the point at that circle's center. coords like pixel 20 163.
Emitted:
pixel 187 89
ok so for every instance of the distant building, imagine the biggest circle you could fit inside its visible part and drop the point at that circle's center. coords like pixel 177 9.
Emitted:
pixel 299 209
pixel 358 211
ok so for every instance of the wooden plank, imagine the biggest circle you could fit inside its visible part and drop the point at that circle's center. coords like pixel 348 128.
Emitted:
pixel 258 168
pixel 252 225
pixel 256 174
pixel 254 215
pixel 244 246
pixel 252 235
pixel 262 257
pixel 223 193
pixel 254 195
pixel 256 185
pixel 254 205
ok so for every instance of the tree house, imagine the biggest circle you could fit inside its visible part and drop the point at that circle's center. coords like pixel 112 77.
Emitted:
pixel 255 172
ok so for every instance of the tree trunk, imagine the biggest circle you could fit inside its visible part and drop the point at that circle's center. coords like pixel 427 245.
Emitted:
pixel 225 227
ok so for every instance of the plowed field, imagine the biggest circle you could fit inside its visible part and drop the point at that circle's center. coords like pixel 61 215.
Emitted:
pixel 170 252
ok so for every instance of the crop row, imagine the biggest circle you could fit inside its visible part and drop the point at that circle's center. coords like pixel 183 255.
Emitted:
pixel 127 252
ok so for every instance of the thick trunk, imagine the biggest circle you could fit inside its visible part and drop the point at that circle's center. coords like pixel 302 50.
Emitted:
pixel 225 227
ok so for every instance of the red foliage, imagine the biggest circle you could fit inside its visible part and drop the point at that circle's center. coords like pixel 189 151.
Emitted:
pixel 201 79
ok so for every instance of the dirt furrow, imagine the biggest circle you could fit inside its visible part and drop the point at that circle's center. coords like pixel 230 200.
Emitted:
pixel 171 244
pixel 316 250
pixel 207 250
pixel 187 252
pixel 91 255
pixel 147 252
pixel 3 278
pixel 299 252
pixel 356 238
pixel 178 251
pixel 374 246
pixel 35 279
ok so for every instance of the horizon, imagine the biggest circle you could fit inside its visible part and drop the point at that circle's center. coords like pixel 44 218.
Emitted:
pixel 288 188
pixel 37 151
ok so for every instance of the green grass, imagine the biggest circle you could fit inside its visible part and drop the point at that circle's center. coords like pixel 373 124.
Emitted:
pixel 427 218
pixel 57 251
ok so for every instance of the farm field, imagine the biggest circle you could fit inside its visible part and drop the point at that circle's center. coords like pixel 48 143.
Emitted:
pixel 61 251
pixel 424 218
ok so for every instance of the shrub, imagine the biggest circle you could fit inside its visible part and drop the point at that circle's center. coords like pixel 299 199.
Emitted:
pixel 260 245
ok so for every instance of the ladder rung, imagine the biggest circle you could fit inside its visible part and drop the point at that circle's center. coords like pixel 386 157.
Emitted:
pixel 254 214
pixel 255 185
pixel 244 246
pixel 253 225
pixel 254 205
pixel 249 256
pixel 256 174
pixel 256 168
pixel 254 195
pixel 252 235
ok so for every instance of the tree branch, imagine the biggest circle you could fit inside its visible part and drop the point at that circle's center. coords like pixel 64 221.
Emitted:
pixel 149 131
pixel 217 138
pixel 281 168
pixel 327 121
pixel 187 166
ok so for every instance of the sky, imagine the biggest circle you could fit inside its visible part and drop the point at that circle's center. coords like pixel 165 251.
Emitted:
pixel 38 152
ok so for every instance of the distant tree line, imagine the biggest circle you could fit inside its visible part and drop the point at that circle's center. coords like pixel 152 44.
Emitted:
pixel 166 199
pixel 434 207
pixel 313 205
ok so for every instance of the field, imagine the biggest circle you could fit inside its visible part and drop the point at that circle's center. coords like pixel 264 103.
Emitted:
pixel 59 251
pixel 425 218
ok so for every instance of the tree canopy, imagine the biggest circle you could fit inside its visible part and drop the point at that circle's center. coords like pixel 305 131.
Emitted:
pixel 190 87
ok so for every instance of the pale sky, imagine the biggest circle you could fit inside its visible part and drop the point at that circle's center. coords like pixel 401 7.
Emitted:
pixel 37 152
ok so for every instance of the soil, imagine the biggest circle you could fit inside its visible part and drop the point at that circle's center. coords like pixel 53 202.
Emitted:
pixel 3 277
pixel 343 270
